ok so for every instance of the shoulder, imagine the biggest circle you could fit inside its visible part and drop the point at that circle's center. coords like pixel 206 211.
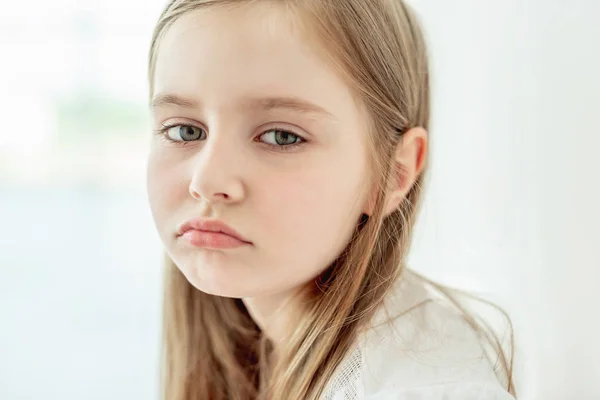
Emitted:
pixel 419 348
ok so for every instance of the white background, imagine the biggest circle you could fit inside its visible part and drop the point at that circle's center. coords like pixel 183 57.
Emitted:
pixel 511 210
pixel 513 206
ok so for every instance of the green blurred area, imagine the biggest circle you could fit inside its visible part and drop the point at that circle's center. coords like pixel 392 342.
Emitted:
pixel 88 115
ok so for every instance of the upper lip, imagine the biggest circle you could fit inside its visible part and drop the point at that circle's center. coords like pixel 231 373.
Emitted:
pixel 210 225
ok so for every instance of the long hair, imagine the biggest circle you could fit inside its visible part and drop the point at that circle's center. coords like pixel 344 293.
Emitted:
pixel 212 348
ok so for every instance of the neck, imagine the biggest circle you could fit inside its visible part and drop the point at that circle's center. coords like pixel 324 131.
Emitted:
pixel 274 315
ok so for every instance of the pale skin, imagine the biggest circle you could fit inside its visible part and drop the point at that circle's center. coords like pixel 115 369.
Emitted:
pixel 245 85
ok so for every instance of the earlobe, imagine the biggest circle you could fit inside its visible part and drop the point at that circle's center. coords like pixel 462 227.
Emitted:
pixel 393 203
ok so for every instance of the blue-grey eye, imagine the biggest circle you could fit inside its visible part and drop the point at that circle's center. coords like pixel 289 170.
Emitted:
pixel 280 137
pixel 184 133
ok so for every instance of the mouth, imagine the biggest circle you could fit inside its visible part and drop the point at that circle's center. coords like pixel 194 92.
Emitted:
pixel 212 234
pixel 211 240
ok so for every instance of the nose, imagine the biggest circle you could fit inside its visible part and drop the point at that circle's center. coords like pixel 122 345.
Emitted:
pixel 216 176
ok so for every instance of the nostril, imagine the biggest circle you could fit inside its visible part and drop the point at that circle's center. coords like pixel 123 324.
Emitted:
pixel 194 194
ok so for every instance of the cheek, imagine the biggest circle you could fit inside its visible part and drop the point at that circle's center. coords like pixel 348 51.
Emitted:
pixel 311 214
pixel 165 188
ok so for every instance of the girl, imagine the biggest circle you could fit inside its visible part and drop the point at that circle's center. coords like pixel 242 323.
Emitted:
pixel 284 179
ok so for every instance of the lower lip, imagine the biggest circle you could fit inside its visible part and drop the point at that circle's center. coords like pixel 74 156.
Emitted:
pixel 212 240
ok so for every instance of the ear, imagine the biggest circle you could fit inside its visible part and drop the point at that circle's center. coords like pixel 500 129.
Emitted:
pixel 409 161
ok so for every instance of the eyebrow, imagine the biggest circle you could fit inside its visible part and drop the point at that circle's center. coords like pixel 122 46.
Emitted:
pixel 168 100
pixel 262 103
pixel 287 103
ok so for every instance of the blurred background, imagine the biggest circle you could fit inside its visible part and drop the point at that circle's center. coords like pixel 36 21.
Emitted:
pixel 511 211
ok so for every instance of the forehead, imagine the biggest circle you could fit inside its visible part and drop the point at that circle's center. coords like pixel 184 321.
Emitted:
pixel 228 52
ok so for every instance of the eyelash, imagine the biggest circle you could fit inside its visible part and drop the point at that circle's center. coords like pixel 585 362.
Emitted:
pixel 290 147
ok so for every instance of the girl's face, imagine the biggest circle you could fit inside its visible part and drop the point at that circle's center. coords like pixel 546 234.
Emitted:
pixel 266 138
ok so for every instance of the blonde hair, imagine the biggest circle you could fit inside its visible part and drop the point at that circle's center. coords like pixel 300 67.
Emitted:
pixel 212 348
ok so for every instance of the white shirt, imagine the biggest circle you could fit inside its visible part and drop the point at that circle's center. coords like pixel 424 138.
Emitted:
pixel 425 353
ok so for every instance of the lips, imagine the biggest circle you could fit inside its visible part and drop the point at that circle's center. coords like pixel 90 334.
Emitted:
pixel 211 240
pixel 211 233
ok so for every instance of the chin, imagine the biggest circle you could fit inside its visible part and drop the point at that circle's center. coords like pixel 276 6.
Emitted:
pixel 218 278
pixel 220 289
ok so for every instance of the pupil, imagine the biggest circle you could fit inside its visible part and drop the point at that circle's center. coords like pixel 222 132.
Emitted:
pixel 187 132
pixel 283 136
